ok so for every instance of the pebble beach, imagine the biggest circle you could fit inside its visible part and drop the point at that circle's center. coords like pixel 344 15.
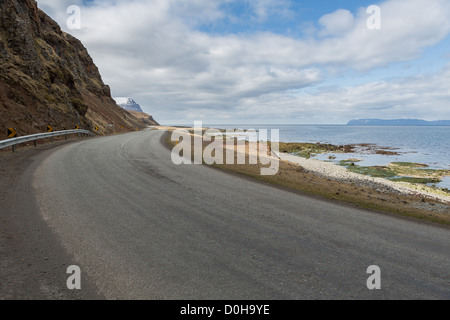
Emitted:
pixel 332 171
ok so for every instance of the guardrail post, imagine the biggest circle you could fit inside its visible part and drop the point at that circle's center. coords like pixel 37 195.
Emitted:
pixel 14 148
pixel 51 139
pixel 65 136
pixel 35 143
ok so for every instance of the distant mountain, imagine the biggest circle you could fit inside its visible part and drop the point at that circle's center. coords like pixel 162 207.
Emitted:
pixel 397 122
pixel 135 109
pixel 128 104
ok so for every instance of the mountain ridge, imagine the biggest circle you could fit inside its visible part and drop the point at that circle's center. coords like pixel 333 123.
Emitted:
pixel 397 122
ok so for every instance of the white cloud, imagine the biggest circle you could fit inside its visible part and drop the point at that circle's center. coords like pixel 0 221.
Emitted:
pixel 154 52
pixel 426 97
pixel 337 22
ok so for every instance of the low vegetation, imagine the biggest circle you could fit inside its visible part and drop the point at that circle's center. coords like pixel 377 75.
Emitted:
pixel 308 150
pixel 399 171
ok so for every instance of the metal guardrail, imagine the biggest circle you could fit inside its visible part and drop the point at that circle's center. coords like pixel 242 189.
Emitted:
pixel 34 137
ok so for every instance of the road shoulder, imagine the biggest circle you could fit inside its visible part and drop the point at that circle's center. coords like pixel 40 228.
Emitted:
pixel 33 263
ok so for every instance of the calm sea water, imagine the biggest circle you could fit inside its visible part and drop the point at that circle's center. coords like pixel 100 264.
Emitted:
pixel 428 145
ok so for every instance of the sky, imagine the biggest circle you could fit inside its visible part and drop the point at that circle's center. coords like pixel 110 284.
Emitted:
pixel 269 61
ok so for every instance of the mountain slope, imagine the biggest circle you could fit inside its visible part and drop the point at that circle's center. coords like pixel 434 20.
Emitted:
pixel 145 118
pixel 135 109
pixel 48 78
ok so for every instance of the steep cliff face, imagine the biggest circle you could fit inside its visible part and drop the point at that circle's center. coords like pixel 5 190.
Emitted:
pixel 48 78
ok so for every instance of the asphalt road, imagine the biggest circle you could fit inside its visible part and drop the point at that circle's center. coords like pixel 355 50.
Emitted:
pixel 140 227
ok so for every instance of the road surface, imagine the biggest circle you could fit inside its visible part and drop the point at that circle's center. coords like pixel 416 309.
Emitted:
pixel 140 227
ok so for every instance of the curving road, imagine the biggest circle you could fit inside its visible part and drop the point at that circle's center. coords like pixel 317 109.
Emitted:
pixel 140 227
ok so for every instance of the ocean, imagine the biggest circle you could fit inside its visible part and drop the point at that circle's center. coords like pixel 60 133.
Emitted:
pixel 429 145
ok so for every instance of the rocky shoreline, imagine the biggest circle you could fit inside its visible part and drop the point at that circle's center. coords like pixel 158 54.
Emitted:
pixel 333 171
pixel 302 154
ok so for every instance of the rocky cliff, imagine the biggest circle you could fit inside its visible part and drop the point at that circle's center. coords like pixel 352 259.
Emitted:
pixel 48 78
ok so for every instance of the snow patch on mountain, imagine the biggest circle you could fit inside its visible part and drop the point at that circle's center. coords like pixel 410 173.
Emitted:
pixel 128 104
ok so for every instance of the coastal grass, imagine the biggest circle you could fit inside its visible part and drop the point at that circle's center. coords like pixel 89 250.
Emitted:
pixel 409 164
pixel 399 171
pixel 293 177
pixel 416 180
pixel 308 150
pixel 376 171
pixel 417 170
